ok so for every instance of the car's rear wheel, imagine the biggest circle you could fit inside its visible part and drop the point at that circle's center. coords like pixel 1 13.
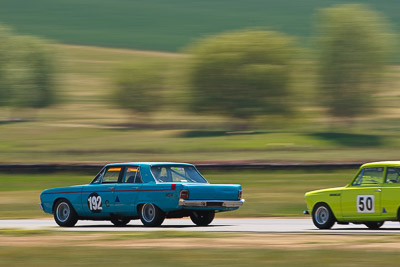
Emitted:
pixel 322 216
pixel 64 214
pixel 151 215
pixel 120 222
pixel 202 218
pixel 374 225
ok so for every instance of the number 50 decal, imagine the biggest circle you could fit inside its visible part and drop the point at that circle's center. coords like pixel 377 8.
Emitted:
pixel 94 203
pixel 365 203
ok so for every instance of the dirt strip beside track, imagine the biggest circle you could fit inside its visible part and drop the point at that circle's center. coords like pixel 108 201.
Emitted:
pixel 256 241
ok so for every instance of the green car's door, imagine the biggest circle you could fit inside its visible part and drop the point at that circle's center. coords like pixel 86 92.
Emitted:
pixel 362 199
pixel 391 193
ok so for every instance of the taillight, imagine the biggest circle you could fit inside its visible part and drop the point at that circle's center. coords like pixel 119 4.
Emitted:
pixel 240 194
pixel 184 194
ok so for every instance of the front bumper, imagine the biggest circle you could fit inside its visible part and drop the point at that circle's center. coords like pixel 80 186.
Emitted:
pixel 211 203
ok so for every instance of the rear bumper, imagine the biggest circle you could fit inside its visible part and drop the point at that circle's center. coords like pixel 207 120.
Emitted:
pixel 211 203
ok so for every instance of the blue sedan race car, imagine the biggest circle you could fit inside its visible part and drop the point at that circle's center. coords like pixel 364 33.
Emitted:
pixel 147 191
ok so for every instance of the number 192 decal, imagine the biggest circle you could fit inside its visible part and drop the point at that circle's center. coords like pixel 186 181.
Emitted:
pixel 365 203
pixel 94 203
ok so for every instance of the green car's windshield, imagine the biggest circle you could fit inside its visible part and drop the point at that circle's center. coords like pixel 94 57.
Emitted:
pixel 176 173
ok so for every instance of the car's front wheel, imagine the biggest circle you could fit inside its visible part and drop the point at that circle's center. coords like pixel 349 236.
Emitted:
pixel 202 218
pixel 374 225
pixel 120 222
pixel 322 216
pixel 64 214
pixel 151 215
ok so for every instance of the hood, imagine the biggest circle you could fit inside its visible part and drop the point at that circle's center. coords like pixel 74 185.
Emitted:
pixel 315 192
pixel 74 188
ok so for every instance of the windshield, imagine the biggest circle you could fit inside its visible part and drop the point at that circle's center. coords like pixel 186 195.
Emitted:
pixel 176 173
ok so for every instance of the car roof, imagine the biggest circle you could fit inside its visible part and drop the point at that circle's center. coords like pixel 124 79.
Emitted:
pixel 381 164
pixel 149 163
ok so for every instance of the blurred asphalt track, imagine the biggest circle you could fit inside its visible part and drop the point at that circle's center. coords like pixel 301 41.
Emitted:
pixel 261 225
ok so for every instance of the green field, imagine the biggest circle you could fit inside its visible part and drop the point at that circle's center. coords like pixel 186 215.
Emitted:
pixel 161 25
pixel 267 193
pixel 85 126
pixel 83 256
pixel 171 248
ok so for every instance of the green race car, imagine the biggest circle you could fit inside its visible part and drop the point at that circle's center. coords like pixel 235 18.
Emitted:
pixel 371 198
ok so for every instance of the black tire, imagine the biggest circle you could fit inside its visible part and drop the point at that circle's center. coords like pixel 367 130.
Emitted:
pixel 120 222
pixel 151 215
pixel 64 213
pixel 398 214
pixel 322 216
pixel 202 218
pixel 374 225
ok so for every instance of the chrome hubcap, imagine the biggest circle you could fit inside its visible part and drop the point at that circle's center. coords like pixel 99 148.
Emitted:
pixel 63 212
pixel 321 215
pixel 148 212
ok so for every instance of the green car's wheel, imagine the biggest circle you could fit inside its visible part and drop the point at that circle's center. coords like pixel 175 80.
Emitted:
pixel 202 218
pixel 120 222
pixel 64 213
pixel 374 225
pixel 322 216
pixel 151 215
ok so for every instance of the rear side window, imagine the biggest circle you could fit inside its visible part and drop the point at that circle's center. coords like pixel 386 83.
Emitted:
pixel 132 175
pixel 369 176
pixel 393 175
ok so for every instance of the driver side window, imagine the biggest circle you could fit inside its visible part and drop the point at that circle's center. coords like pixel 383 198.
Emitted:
pixel 111 175
pixel 369 176
pixel 393 175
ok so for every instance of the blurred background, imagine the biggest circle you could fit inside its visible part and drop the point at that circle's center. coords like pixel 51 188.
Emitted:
pixel 100 81
pixel 198 81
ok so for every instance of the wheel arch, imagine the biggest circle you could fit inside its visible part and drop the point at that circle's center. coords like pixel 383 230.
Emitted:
pixel 140 204
pixel 329 206
pixel 61 198
pixel 398 213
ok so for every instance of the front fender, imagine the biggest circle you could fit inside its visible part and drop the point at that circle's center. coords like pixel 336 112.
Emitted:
pixel 332 197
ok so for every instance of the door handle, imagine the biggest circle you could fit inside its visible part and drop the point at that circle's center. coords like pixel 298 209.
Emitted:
pixel 135 187
pixel 378 190
pixel 111 188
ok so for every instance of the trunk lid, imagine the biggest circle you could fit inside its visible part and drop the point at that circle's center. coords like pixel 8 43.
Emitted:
pixel 213 191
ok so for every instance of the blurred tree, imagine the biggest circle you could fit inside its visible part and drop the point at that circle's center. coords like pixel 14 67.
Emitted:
pixel 241 74
pixel 30 72
pixel 354 42
pixel 139 88
pixel 5 47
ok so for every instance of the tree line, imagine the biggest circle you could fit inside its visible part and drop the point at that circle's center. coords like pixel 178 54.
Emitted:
pixel 241 74
pixel 248 73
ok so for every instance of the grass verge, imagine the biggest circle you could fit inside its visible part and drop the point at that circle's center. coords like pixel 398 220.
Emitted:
pixel 267 193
